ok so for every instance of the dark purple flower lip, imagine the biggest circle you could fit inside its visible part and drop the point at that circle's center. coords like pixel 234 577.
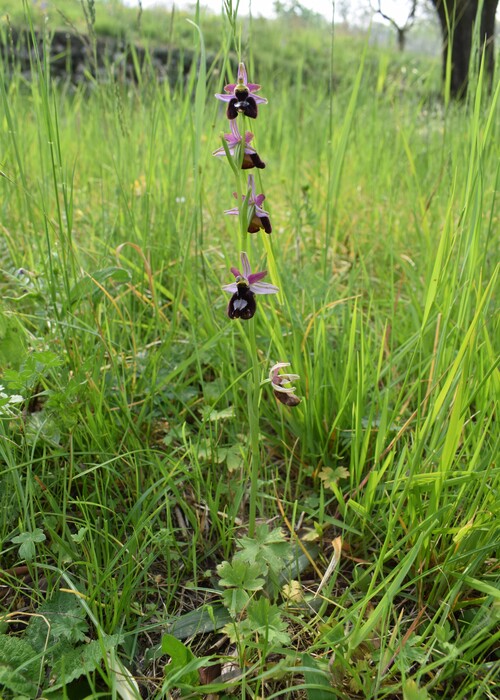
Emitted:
pixel 246 285
pixel 242 304
pixel 241 97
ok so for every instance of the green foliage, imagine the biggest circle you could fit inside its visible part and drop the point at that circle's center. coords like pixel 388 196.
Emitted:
pixel 269 549
pixel 92 286
pixel 12 340
pixel 81 660
pixel 28 540
pixel 60 619
pixel 124 435
pixel 55 639
pixel 19 669
pixel 180 656
pixel 262 628
pixel 411 691
pixel 317 680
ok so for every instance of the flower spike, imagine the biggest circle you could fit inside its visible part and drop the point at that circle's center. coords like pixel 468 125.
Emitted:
pixel 246 285
pixel 241 97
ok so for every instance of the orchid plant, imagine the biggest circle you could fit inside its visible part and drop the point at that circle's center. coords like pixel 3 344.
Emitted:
pixel 242 101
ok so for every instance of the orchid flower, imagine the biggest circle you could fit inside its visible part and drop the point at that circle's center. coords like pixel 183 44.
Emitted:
pixel 257 217
pixel 240 96
pixel 234 140
pixel 246 285
pixel 284 394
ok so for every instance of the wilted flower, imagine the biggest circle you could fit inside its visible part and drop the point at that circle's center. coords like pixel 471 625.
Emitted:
pixel 234 140
pixel 284 394
pixel 246 285
pixel 257 217
pixel 241 98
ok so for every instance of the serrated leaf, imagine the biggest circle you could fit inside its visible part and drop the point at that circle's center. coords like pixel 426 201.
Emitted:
pixel 46 359
pixel 42 426
pixel 233 631
pixel 82 659
pixel 19 672
pixel 212 391
pixel 266 548
pixel 330 477
pixel 62 618
pixel 241 575
pixel 212 415
pixel 265 619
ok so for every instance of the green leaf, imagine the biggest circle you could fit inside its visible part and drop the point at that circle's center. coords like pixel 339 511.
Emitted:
pixel 27 540
pixel 79 536
pixel 180 657
pixel 317 681
pixel 235 600
pixel 234 458
pixel 240 575
pixel 269 548
pixel 26 377
pixel 41 426
pixel 20 671
pixel 46 360
pixel 62 618
pixel 212 415
pixel 411 691
pixel 265 619
pixel 12 341
pixel 92 285
pixel 82 659
pixel 212 391
pixel 200 621
pixel 330 477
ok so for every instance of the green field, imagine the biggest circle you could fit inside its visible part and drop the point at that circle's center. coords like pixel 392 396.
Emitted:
pixel 168 528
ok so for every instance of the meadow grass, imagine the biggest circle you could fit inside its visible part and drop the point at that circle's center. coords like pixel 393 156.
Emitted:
pixel 125 445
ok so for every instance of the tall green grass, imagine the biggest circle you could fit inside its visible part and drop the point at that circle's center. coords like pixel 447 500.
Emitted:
pixel 128 451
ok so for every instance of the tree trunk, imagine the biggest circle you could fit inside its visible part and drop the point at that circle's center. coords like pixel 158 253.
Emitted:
pixel 401 38
pixel 457 18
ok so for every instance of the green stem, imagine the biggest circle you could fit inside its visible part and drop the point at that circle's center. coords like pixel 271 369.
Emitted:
pixel 253 419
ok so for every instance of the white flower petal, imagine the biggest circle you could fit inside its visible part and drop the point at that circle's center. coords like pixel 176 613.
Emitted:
pixel 283 389
pixel 279 365
pixel 263 288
